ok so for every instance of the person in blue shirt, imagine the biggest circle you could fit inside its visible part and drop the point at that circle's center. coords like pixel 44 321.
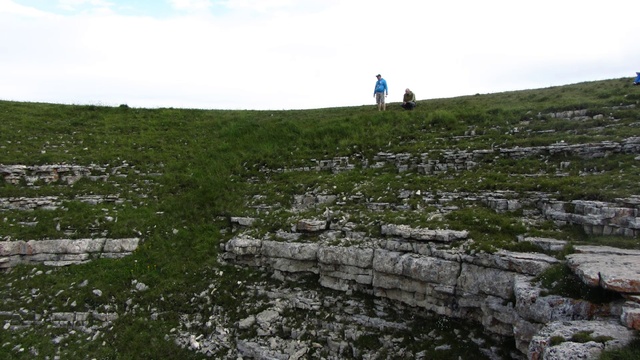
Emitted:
pixel 637 80
pixel 380 92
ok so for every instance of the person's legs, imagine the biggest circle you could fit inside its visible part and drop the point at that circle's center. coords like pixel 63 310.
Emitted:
pixel 379 100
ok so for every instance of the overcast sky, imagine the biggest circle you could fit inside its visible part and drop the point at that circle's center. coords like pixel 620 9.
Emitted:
pixel 302 54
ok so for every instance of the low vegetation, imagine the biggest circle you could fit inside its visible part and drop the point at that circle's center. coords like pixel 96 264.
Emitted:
pixel 180 174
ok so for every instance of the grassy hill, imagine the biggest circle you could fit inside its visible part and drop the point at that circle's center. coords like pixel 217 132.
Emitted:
pixel 180 174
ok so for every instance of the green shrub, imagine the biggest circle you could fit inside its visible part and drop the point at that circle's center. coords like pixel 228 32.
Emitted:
pixel 560 280
pixel 556 340
pixel 630 352
pixel 442 119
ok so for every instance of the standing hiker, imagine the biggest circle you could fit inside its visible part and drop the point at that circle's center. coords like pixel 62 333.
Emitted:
pixel 380 92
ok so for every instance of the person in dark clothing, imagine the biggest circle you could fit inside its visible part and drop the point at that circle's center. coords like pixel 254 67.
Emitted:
pixel 408 100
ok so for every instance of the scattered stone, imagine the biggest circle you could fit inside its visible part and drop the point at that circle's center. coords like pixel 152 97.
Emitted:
pixel 243 221
pixel 247 322
pixel 140 286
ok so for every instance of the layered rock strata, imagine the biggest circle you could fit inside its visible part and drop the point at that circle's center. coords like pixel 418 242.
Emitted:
pixel 63 252
pixel 67 174
pixel 496 290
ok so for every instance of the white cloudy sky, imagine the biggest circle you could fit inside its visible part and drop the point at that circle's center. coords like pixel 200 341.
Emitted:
pixel 288 54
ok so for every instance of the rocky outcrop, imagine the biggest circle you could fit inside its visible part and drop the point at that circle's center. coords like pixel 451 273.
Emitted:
pixel 610 268
pixel 597 217
pixel 442 161
pixel 420 234
pixel 80 320
pixel 67 174
pixel 64 251
pixel 303 323
pixel 53 202
pixel 439 162
pixel 577 340
pixel 72 317
pixel 621 217
pixel 496 290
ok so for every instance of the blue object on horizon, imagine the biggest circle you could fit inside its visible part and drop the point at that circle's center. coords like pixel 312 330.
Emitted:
pixel 637 81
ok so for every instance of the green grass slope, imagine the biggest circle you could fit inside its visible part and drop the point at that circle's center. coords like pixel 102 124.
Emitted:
pixel 183 172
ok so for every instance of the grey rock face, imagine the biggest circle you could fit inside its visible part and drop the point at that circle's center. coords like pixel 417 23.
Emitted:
pixel 597 217
pixel 630 316
pixel 69 174
pixel 495 290
pixel 604 335
pixel 423 234
pixel 64 251
pixel 295 251
pixel 241 245
pixel 612 269
pixel 523 263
